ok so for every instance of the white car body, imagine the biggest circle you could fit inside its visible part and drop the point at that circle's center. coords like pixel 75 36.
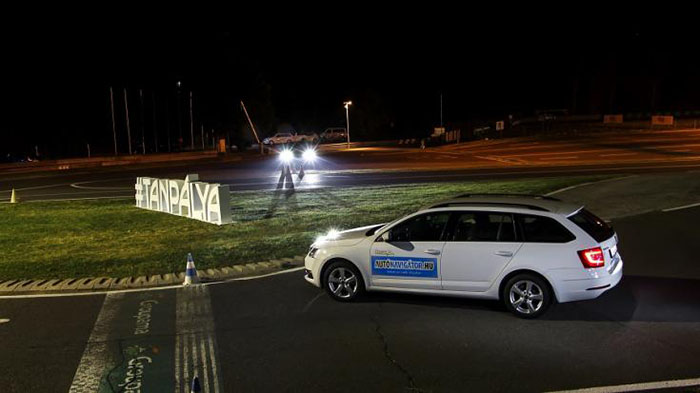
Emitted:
pixel 310 138
pixel 476 269
pixel 280 138
pixel 334 135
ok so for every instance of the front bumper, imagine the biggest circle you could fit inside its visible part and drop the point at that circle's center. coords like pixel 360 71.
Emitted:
pixel 312 272
pixel 570 289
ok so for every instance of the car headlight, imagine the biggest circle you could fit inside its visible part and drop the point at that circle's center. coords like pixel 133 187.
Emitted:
pixel 313 251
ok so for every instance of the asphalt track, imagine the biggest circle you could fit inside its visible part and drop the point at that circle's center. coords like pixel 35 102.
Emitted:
pixel 278 333
pixel 629 153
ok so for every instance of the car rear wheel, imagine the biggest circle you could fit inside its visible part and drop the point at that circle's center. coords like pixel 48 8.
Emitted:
pixel 343 281
pixel 527 296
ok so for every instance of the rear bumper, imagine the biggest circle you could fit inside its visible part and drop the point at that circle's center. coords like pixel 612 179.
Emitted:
pixel 570 289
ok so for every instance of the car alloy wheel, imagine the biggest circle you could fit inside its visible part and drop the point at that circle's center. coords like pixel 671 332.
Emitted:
pixel 342 282
pixel 526 297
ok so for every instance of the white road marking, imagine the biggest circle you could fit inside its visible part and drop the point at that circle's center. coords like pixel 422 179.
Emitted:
pixel 203 352
pixel 587 184
pixel 312 301
pixel 503 160
pixel 194 323
pixel 185 364
pixel 215 370
pixel 487 149
pixel 178 382
pixel 590 151
pixel 96 356
pixel 671 209
pixel 4 320
pixel 81 187
pixel 73 193
pixel 74 199
pixel 46 295
pixel 296 269
pixel 635 387
pixel 618 154
pixel 38 187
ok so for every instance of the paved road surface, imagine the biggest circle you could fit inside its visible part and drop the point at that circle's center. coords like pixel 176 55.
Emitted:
pixel 634 152
pixel 279 333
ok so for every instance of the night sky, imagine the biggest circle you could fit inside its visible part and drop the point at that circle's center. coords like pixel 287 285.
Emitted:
pixel 297 74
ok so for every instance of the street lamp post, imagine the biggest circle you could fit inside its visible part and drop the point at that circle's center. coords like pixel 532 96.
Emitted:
pixel 347 120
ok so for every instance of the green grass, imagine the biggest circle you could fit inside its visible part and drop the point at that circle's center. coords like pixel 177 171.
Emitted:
pixel 114 238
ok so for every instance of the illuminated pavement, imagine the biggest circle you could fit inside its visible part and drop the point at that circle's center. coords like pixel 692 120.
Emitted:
pixel 634 152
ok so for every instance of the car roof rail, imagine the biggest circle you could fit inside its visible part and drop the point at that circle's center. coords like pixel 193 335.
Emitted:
pixel 488 204
pixel 487 194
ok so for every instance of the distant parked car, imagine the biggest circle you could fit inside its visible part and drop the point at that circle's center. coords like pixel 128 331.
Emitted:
pixel 280 138
pixel 334 135
pixel 312 137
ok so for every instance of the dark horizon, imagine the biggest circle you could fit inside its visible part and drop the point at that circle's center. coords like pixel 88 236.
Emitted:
pixel 58 94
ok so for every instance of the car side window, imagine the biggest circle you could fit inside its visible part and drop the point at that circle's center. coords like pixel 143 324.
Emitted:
pixel 540 229
pixel 423 228
pixel 483 227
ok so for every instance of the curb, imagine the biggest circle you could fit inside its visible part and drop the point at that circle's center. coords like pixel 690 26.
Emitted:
pixel 9 287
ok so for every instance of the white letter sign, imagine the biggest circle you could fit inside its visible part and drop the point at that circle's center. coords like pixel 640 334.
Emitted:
pixel 190 198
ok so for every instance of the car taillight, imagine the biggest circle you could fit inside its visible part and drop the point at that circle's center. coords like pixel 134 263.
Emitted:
pixel 592 257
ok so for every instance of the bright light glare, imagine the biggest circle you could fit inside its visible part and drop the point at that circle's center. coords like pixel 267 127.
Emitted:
pixel 332 234
pixel 286 156
pixel 309 155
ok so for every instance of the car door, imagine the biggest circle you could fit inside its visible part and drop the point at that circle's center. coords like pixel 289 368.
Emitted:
pixel 479 246
pixel 408 255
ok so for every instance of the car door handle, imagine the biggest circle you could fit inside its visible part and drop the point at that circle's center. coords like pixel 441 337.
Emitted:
pixel 432 251
pixel 504 253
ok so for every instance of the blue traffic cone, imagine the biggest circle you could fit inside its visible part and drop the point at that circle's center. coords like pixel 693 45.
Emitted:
pixel 191 272
pixel 195 385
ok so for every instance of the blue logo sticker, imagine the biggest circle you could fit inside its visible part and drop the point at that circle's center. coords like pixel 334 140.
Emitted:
pixel 404 266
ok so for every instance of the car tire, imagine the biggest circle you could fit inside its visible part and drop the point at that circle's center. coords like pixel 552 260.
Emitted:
pixel 527 296
pixel 343 282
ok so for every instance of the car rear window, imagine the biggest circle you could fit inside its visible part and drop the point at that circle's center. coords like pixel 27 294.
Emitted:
pixel 539 229
pixel 592 225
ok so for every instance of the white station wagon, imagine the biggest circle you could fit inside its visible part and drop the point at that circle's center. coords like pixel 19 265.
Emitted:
pixel 527 251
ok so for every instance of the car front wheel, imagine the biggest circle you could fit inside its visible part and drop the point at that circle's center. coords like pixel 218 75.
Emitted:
pixel 527 296
pixel 343 281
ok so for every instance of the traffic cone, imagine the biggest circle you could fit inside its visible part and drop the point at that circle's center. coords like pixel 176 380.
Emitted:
pixel 13 198
pixel 191 272
pixel 195 385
